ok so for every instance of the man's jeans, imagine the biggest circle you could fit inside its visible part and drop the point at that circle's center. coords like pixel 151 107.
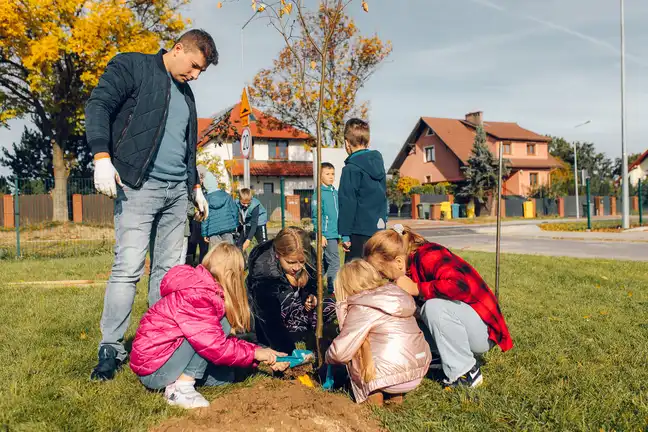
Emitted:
pixel 331 262
pixel 152 218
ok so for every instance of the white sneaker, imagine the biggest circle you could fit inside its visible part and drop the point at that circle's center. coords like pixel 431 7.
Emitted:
pixel 184 396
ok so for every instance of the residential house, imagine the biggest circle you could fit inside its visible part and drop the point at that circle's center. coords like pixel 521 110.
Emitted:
pixel 437 148
pixel 638 169
pixel 278 150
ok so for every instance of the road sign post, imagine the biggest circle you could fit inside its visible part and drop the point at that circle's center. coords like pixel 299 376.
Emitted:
pixel 246 150
pixel 246 137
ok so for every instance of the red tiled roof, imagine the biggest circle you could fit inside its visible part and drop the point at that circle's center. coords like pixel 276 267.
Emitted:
pixel 265 126
pixel 275 168
pixel 638 162
pixel 511 131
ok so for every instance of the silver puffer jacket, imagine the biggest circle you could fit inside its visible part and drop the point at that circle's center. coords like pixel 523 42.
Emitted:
pixel 386 317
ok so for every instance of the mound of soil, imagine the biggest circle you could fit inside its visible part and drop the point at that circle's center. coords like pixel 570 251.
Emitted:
pixel 277 406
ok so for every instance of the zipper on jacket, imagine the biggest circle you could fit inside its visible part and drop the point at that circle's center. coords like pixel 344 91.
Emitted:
pixel 123 132
pixel 156 144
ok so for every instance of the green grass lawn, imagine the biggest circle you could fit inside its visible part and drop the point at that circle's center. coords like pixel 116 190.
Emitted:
pixel 580 329
pixel 597 226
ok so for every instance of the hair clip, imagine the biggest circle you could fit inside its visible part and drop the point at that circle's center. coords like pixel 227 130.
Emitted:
pixel 398 228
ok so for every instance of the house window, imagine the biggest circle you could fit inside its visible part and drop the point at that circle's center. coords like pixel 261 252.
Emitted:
pixel 506 148
pixel 268 188
pixel 533 179
pixel 429 154
pixel 428 179
pixel 236 149
pixel 278 150
pixel 429 132
pixel 531 149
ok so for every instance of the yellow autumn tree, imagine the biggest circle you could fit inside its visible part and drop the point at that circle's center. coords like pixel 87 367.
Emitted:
pixel 308 47
pixel 405 184
pixel 289 90
pixel 52 53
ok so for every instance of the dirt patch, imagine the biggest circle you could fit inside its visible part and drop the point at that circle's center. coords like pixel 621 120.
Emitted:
pixel 64 232
pixel 277 406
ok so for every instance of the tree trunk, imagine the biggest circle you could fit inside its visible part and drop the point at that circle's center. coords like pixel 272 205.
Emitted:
pixel 59 194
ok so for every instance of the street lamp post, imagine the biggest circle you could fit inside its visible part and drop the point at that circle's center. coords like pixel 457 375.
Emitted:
pixel 624 157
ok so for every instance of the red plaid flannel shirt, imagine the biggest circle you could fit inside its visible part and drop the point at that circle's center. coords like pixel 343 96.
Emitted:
pixel 441 274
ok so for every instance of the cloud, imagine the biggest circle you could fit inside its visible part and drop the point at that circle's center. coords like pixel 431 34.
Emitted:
pixel 595 41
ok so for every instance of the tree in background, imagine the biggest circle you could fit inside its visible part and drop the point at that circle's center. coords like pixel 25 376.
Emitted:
pixel 290 89
pixel 399 189
pixel 598 165
pixel 481 174
pixel 31 159
pixel 52 53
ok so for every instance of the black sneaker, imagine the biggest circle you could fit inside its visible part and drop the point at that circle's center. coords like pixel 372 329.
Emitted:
pixel 108 364
pixel 473 378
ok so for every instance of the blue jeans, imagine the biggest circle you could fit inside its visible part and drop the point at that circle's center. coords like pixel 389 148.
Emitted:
pixel 150 218
pixel 186 361
pixel 331 262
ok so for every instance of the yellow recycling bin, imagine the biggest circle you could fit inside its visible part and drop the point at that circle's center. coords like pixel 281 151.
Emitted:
pixel 446 210
pixel 528 209
pixel 470 210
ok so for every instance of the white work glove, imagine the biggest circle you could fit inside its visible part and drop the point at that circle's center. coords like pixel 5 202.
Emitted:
pixel 201 203
pixel 106 177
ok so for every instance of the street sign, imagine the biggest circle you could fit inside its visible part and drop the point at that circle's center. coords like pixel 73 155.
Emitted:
pixel 245 110
pixel 246 143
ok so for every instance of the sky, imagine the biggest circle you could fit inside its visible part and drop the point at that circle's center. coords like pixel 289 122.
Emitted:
pixel 548 65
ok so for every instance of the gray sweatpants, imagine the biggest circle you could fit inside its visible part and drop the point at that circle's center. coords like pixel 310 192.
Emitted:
pixel 459 334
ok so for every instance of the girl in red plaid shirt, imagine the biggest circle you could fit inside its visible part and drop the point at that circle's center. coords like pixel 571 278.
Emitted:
pixel 459 308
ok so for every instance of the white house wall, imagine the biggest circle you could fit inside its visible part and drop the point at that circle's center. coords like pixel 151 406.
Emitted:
pixel 639 172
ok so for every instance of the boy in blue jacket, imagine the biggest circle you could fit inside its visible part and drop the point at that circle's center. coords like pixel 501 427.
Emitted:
pixel 363 190
pixel 221 225
pixel 330 236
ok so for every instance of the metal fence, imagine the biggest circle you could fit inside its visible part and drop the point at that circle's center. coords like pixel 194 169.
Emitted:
pixel 28 228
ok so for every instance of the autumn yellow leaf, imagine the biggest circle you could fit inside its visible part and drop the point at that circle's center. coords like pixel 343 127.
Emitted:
pixel 629 293
pixel 219 5
pixel 289 8
pixel 261 7
pixel 587 316
pixel 283 2
pixel 83 335
pixel 313 64
pixel 365 6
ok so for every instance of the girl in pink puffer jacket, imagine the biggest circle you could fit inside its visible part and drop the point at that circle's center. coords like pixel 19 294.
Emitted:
pixel 379 341
pixel 193 324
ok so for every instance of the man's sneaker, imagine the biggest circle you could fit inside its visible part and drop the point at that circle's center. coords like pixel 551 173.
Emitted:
pixel 108 364
pixel 184 395
pixel 473 378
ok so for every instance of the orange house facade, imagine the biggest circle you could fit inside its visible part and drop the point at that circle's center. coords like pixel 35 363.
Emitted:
pixel 437 148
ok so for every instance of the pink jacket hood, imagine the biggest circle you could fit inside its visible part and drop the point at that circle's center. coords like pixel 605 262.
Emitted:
pixel 191 308
pixel 384 317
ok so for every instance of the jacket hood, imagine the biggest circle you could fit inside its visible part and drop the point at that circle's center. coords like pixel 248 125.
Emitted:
pixel 217 199
pixel 209 181
pixel 186 277
pixel 369 161
pixel 390 299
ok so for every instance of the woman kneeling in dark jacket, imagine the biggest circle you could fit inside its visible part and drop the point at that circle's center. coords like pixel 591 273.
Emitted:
pixel 282 283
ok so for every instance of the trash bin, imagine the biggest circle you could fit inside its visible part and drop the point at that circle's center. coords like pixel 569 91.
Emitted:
pixel 419 207
pixel 462 210
pixel 455 211
pixel 527 207
pixel 446 210
pixel 584 212
pixel 470 210
pixel 435 211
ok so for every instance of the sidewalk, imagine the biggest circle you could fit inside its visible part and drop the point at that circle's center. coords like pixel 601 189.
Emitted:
pixel 535 232
pixel 431 224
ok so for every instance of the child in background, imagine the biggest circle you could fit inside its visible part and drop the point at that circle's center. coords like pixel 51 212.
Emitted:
pixel 252 220
pixel 330 236
pixel 193 324
pixel 386 352
pixel 363 190
pixel 221 224
pixel 460 310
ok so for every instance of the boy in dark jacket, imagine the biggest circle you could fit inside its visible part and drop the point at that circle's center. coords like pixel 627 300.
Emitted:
pixel 363 190
pixel 253 218
pixel 330 236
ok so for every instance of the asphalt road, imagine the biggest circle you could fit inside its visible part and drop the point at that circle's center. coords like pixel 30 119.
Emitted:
pixel 465 238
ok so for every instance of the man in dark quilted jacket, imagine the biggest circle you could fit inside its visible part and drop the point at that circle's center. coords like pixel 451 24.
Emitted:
pixel 141 125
